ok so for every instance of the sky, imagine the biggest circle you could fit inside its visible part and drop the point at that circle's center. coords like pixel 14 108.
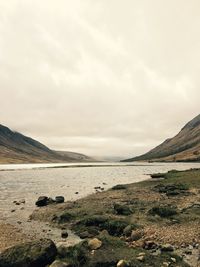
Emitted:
pixel 107 78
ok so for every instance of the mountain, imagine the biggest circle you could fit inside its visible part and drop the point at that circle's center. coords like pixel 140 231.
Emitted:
pixel 185 146
pixel 17 148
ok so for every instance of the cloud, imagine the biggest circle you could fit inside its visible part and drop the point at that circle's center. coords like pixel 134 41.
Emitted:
pixel 104 78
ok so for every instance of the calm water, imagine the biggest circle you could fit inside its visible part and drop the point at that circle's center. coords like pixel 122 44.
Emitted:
pixel 28 182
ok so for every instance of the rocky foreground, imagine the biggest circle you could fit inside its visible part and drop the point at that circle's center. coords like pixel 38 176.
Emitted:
pixel 152 223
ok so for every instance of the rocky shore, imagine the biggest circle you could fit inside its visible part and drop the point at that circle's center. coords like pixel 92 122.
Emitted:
pixel 151 223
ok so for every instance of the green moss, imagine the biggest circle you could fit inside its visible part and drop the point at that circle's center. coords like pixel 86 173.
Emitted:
pixel 163 211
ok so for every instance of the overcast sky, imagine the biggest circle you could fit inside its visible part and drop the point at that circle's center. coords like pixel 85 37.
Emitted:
pixel 100 77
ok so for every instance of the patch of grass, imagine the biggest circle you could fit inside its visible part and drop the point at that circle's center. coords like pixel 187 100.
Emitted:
pixel 62 218
pixel 76 256
pixel 122 209
pixel 163 211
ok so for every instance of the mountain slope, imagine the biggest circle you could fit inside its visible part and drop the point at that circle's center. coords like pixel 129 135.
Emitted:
pixel 17 148
pixel 185 146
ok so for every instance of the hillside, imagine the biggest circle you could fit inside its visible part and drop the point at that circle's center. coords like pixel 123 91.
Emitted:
pixel 17 148
pixel 185 146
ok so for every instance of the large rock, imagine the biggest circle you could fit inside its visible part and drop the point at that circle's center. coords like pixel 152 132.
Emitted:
pixel 31 254
pixel 94 243
pixel 42 201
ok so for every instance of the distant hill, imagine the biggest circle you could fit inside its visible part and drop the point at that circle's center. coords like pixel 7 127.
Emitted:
pixel 185 146
pixel 17 148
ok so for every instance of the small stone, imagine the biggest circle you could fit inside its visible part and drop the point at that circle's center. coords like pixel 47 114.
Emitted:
pixel 188 252
pixel 59 199
pixel 150 245
pixel 64 234
pixel 136 235
pixel 173 260
pixel 13 210
pixel 190 247
pixel 142 254
pixel 95 243
pixel 128 230
pixel 167 248
pixel 165 264
pixel 85 234
pixel 76 193
pixel 140 258
pixel 122 263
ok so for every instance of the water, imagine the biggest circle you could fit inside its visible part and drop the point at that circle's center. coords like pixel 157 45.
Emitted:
pixel 28 182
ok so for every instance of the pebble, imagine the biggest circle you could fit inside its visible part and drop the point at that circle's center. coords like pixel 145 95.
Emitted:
pixel 165 264
pixel 122 263
pixel 64 234
pixel 140 258
pixel 173 260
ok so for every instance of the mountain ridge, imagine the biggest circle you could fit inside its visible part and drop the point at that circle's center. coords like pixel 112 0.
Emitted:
pixel 18 148
pixel 185 146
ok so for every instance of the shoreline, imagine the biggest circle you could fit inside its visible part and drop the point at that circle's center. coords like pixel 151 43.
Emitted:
pixel 105 216
pixel 160 211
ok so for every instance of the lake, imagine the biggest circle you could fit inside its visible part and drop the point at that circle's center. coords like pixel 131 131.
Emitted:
pixel 29 181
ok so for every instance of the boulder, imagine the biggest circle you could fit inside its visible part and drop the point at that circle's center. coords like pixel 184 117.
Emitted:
pixel 42 201
pixel 94 243
pixel 59 199
pixel 31 254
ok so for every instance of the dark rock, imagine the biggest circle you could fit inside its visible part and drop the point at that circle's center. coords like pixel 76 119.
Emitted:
pixel 172 189
pixel 119 187
pixel 167 248
pixel 85 234
pixel 64 234
pixel 149 245
pixel 89 233
pixel 99 188
pixel 115 227
pixel 31 254
pixel 59 199
pixel 42 201
pixel 158 175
